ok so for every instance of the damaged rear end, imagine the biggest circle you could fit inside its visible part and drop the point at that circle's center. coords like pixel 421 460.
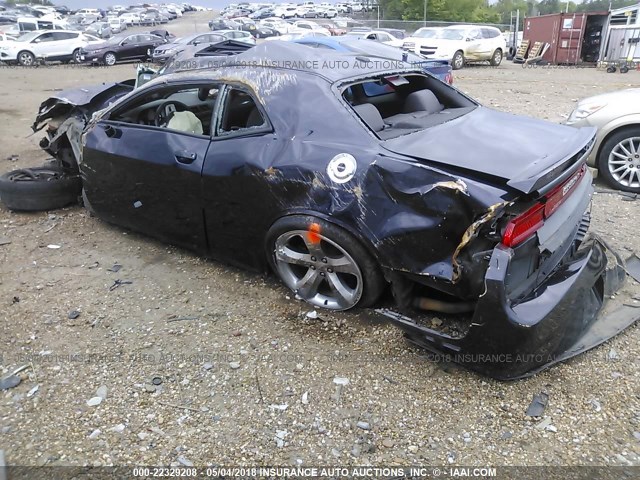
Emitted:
pixel 545 285
pixel 526 286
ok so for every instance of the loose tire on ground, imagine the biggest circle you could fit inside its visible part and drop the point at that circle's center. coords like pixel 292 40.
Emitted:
pixel 37 189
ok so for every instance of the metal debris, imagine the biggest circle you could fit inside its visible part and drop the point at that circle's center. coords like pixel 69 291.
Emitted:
pixel 33 391
pixel 538 405
pixel 10 382
pixel 174 318
pixel 115 269
pixel 94 401
pixel 4 241
pixel 73 314
pixel 633 267
pixel 119 283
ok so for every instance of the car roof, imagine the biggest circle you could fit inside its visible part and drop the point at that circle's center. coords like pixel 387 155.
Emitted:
pixel 294 59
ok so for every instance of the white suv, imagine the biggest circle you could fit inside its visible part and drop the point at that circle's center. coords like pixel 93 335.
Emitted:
pixel 50 45
pixel 458 44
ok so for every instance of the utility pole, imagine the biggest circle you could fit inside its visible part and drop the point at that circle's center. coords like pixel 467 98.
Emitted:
pixel 425 13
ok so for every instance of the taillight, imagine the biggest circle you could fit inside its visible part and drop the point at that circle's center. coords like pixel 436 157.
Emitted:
pixel 559 194
pixel 449 78
pixel 523 226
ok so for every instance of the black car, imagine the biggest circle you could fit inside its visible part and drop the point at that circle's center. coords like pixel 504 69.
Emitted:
pixel 354 181
pixel 223 24
pixel 259 31
pixel 137 46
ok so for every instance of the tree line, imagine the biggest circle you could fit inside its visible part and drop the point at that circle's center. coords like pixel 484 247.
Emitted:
pixel 479 11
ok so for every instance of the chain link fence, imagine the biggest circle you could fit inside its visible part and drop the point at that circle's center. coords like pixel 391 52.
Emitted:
pixel 410 26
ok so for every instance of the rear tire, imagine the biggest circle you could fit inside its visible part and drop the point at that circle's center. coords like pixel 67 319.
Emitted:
pixel 41 188
pixel 617 162
pixel 457 62
pixel 496 58
pixel 322 263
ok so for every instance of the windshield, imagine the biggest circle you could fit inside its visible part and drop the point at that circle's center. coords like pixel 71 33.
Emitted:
pixel 451 34
pixel 27 37
pixel 426 33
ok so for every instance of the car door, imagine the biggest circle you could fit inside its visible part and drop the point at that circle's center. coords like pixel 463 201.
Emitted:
pixel 65 44
pixel 235 195
pixel 474 44
pixel 487 44
pixel 128 47
pixel 44 45
pixel 147 177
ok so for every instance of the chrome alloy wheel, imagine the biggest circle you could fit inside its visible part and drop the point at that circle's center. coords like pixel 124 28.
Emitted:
pixel 317 269
pixel 624 162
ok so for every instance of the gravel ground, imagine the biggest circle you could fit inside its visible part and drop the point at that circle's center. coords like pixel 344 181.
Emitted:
pixel 245 377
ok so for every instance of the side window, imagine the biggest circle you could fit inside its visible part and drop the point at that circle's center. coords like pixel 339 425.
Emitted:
pixel 240 113
pixel 489 33
pixel 45 37
pixel 383 37
pixel 474 34
pixel 64 35
pixel 305 25
pixel 131 39
pixel 186 109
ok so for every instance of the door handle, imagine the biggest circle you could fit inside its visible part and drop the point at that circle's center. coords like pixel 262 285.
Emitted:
pixel 185 157
pixel 110 131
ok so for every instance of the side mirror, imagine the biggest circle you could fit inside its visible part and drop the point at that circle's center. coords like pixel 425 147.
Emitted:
pixel 467 39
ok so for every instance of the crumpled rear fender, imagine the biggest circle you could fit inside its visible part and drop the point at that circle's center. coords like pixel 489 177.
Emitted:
pixel 570 313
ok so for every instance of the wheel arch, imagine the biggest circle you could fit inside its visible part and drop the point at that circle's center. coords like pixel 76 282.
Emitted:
pixel 622 123
pixel 362 240
pixel 26 50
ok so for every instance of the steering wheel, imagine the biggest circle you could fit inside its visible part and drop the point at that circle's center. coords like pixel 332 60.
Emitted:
pixel 165 111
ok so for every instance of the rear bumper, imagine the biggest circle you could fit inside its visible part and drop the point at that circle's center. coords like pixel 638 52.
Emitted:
pixel 571 312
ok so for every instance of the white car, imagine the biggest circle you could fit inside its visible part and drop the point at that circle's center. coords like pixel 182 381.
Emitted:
pixel 459 44
pixel 239 35
pixel 378 36
pixel 51 45
pixel 5 39
pixel 330 12
pixel 117 24
pixel 277 24
pixel 304 27
pixel 131 18
pixel 285 12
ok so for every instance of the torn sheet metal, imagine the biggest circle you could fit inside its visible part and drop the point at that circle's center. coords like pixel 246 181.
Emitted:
pixel 507 341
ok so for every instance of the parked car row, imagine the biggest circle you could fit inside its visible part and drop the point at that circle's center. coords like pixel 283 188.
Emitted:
pixel 94 21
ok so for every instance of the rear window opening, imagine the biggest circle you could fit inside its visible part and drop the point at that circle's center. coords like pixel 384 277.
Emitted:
pixel 395 105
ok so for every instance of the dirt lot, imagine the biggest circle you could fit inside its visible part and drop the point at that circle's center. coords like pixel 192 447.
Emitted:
pixel 246 378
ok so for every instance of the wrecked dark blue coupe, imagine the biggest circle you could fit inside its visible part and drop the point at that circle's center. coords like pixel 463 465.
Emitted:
pixel 368 184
